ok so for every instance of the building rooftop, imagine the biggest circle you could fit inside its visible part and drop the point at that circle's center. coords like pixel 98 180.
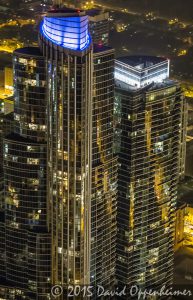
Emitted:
pixel 65 11
pixel 69 31
pixel 147 88
pixel 141 61
pixel 140 71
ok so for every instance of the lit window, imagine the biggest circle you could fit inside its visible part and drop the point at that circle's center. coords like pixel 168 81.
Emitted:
pixel 152 97
pixel 33 126
pixel 16 117
pixel 33 161
pixel 42 127
pixel 158 147
pixel 6 148
pixel 23 61
pixel 30 148
pixel 59 250
pixel 31 82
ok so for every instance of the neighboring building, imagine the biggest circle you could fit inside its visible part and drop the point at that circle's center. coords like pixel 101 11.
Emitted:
pixel 104 172
pixel 6 126
pixel 149 110
pixel 6 105
pixel 184 214
pixel 140 71
pixel 189 138
pixel 179 223
pixel 99 26
pixel 27 247
pixel 8 79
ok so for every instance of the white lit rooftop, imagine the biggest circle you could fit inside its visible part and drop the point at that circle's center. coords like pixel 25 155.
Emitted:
pixel 140 71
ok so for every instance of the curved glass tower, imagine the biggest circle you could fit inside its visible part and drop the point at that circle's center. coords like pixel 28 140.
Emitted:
pixel 81 167
pixel 26 232
pixel 60 170
pixel 66 45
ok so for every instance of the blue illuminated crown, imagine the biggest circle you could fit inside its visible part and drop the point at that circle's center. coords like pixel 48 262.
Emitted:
pixel 68 29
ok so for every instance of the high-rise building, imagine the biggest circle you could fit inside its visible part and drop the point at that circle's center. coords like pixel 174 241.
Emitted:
pixel 27 241
pixel 81 165
pixel 98 20
pixel 60 171
pixel 149 142
pixel 6 126
pixel 104 171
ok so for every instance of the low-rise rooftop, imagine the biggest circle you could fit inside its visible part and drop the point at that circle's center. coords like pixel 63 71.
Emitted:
pixel 140 71
pixel 141 62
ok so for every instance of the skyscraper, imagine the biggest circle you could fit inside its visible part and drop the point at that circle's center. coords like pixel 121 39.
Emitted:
pixel 99 25
pixel 150 129
pixel 6 124
pixel 104 171
pixel 81 166
pixel 27 241
pixel 69 142
pixel 60 171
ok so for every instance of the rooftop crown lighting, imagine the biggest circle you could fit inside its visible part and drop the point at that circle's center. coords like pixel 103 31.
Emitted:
pixel 70 32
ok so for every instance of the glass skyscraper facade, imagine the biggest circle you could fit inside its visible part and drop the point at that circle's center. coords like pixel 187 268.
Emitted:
pixel 104 171
pixel 149 135
pixel 27 242
pixel 89 177
pixel 6 126
pixel 60 177
pixel 69 144
pixel 80 107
